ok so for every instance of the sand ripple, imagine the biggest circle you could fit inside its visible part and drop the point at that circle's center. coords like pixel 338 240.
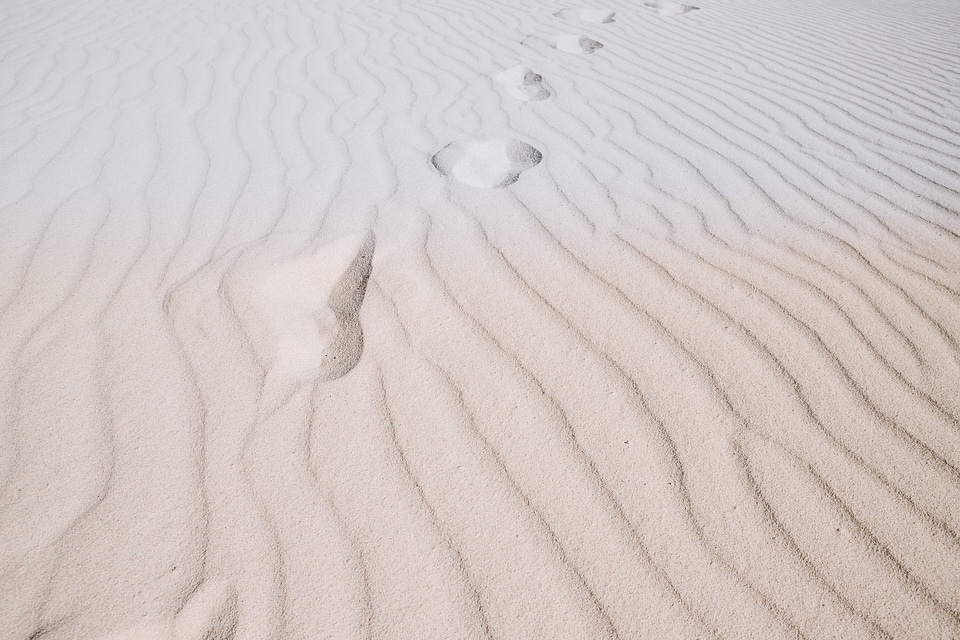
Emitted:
pixel 685 363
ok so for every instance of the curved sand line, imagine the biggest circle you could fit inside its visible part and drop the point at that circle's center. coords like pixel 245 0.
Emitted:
pixel 696 377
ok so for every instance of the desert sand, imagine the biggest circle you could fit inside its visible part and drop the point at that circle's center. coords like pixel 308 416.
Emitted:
pixel 455 319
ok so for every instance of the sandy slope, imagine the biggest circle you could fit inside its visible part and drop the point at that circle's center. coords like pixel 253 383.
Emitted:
pixel 415 319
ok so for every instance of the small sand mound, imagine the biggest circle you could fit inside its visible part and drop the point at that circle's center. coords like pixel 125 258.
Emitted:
pixel 486 164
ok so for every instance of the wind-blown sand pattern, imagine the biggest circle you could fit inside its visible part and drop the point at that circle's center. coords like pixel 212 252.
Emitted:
pixel 270 370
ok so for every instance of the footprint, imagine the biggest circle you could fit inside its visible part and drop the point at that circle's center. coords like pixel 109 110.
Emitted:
pixel 301 312
pixel 486 164
pixel 210 614
pixel 523 83
pixel 587 15
pixel 665 8
pixel 576 44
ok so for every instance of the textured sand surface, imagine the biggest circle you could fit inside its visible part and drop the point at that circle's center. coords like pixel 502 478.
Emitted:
pixel 422 319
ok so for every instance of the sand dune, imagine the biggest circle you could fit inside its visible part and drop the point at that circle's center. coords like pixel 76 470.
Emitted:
pixel 405 319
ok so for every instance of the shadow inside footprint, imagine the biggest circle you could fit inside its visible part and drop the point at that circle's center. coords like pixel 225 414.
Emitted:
pixel 486 164
pixel 670 8
pixel 523 83
pixel 587 15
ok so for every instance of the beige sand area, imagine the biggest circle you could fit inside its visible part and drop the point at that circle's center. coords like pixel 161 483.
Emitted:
pixel 454 319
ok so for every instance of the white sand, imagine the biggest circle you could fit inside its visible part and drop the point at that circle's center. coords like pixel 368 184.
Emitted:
pixel 301 338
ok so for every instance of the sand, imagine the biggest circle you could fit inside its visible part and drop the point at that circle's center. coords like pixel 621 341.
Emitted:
pixel 409 319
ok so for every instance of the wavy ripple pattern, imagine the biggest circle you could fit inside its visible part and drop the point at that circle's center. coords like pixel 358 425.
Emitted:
pixel 696 374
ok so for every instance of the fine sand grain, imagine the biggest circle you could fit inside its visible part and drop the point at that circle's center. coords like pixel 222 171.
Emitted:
pixel 408 320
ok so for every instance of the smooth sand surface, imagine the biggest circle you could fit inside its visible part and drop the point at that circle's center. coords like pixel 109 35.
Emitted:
pixel 405 319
